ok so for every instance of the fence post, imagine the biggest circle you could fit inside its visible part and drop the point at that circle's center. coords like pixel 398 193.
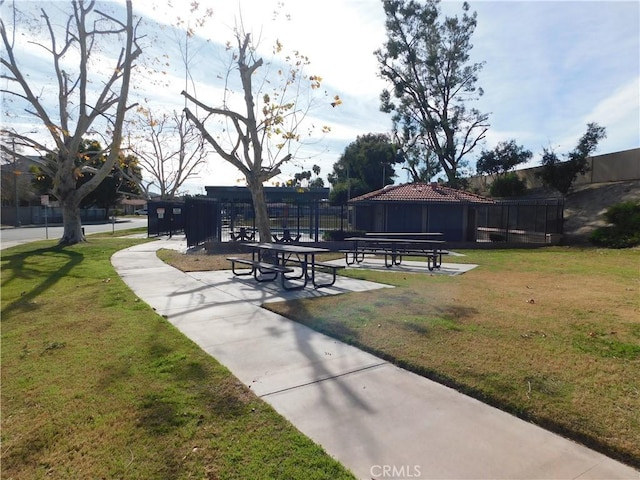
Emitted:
pixel 316 212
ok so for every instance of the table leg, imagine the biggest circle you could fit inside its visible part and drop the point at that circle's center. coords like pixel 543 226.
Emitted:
pixel 386 259
pixel 303 274
pixel 300 262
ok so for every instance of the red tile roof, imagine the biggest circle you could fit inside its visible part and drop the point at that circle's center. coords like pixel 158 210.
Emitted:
pixel 421 192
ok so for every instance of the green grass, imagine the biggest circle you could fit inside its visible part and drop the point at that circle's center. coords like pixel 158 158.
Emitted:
pixel 551 335
pixel 95 384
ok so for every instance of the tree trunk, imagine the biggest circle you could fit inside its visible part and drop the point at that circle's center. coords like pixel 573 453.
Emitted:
pixel 260 208
pixel 64 190
pixel 71 221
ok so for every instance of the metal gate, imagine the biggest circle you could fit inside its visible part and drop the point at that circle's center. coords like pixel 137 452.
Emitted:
pixel 165 218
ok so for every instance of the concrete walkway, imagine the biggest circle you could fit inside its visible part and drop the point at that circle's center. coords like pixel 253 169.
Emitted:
pixel 376 419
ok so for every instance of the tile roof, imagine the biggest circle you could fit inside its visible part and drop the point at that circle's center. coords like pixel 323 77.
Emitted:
pixel 421 192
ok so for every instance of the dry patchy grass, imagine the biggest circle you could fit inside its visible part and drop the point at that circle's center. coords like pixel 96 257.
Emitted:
pixel 552 335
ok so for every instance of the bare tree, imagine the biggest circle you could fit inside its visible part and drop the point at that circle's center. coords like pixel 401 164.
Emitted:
pixel 88 94
pixel 259 137
pixel 170 149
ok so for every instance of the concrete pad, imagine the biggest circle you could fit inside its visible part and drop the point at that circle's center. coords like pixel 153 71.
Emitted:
pixel 385 417
pixel 410 266
pixel 247 289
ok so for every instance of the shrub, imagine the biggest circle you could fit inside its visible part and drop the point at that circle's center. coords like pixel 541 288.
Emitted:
pixel 625 215
pixel 508 185
pixel 625 229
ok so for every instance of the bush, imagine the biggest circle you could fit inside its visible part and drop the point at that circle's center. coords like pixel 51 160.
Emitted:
pixel 625 215
pixel 625 231
pixel 508 185
pixel 614 237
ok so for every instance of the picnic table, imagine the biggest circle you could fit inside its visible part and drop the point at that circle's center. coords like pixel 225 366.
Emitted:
pixel 285 237
pixel 244 234
pixel 290 262
pixel 405 235
pixel 394 248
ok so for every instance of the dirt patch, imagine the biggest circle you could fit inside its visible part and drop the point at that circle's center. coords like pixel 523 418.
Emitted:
pixel 585 206
pixel 196 261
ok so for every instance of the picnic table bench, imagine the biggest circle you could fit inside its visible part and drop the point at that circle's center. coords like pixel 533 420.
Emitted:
pixel 268 260
pixel 394 249
pixel 258 269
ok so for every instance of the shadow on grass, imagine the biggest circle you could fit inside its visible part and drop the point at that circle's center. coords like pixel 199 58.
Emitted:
pixel 161 410
pixel 160 415
pixel 16 267
pixel 447 317
pixel 450 317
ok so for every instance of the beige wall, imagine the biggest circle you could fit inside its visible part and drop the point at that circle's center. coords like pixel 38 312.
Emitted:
pixel 610 167
pixel 613 167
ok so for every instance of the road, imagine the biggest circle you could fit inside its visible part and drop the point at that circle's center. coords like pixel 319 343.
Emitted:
pixel 12 236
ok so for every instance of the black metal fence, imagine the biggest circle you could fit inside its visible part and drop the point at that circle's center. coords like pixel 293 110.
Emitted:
pixel 526 221
pixel 307 221
pixel 212 220
pixel 165 218
pixel 202 220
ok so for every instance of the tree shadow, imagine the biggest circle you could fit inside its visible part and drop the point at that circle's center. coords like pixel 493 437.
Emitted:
pixel 331 382
pixel 454 313
pixel 16 266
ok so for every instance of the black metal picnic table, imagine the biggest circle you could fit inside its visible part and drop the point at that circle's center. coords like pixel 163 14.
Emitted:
pixel 285 237
pixel 244 234
pixel 277 258
pixel 394 249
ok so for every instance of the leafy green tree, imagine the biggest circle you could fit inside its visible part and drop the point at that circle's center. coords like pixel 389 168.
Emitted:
pixel 317 182
pixel 499 162
pixel 426 60
pixel 303 177
pixel 504 157
pixel 560 175
pixel 508 185
pixel 366 165
pixel 124 180
pixel 420 162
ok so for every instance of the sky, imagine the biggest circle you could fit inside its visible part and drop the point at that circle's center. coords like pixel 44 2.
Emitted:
pixel 551 67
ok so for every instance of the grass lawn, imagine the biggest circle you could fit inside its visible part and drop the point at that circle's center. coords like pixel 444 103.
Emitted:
pixel 552 335
pixel 95 384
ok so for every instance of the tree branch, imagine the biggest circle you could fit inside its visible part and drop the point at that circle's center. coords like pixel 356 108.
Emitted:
pixel 217 147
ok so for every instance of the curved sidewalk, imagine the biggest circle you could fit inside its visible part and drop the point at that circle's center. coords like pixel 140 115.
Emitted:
pixel 376 419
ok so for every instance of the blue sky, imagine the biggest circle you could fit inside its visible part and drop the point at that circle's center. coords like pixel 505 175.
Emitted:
pixel 551 68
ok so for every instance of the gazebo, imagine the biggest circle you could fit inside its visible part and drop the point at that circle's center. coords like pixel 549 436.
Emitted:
pixel 419 207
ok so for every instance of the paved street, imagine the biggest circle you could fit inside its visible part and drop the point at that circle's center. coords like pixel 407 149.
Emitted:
pixel 12 236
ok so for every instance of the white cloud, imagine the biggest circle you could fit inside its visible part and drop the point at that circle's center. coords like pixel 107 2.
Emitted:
pixel 551 67
pixel 619 113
